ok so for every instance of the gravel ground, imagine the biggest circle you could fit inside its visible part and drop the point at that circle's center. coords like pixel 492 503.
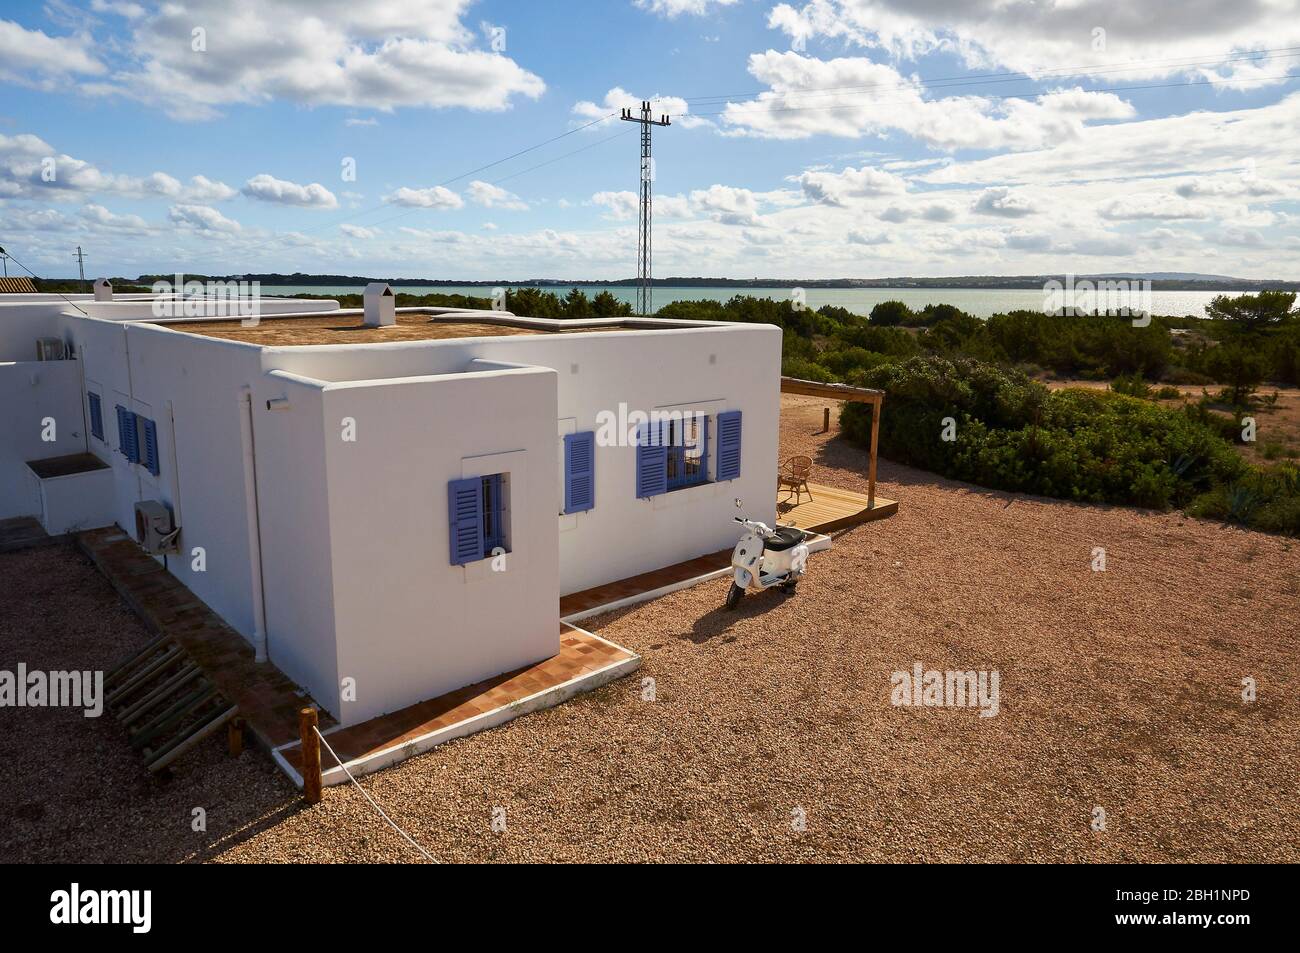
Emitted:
pixel 1118 689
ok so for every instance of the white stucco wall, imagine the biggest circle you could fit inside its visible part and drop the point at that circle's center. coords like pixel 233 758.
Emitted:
pixel 410 625
pixel 715 368
pixel 30 392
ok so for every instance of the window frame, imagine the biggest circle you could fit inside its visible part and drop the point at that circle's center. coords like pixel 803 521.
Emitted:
pixel 676 455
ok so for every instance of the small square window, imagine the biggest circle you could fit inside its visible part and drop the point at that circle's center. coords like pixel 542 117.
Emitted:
pixel 688 451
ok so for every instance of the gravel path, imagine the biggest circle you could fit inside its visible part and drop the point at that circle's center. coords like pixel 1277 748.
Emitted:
pixel 1118 689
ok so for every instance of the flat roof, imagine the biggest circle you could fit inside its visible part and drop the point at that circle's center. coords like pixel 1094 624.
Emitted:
pixel 347 328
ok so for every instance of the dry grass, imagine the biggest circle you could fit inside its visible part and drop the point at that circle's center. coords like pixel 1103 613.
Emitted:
pixel 1118 689
pixel 275 331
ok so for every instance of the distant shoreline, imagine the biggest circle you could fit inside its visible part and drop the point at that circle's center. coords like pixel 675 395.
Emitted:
pixel 966 283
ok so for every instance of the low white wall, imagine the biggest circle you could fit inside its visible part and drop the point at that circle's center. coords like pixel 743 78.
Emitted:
pixel 410 624
pixel 31 392
pixel 76 502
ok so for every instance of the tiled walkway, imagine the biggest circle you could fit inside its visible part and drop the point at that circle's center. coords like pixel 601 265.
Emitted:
pixel 268 701
pixel 582 664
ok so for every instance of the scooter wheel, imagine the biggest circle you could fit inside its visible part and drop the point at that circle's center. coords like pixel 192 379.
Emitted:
pixel 734 595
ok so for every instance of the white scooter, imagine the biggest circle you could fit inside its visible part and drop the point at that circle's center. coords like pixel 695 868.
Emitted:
pixel 767 557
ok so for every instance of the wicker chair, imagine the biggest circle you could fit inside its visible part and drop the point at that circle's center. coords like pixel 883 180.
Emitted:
pixel 795 478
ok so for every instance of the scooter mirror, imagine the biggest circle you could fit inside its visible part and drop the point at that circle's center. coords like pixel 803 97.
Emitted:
pixel 739 503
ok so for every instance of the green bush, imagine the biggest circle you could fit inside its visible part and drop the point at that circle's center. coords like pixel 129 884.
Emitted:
pixel 1012 433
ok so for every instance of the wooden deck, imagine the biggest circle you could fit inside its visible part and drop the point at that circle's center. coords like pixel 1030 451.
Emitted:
pixel 830 509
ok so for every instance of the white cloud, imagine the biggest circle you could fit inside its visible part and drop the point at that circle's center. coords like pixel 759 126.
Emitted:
pixel 267 188
pixel 621 205
pixel 1004 203
pixel 203 218
pixel 31 57
pixel 675 8
pixel 1151 205
pixel 727 204
pixel 437 197
pixel 854 97
pixel 353 121
pixel 358 231
pixel 1156 39
pixel 98 215
pixel 836 188
pixel 122 8
pixel 618 99
pixel 375 54
pixel 493 196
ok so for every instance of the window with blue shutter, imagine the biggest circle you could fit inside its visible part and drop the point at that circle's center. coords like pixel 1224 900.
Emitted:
pixel 651 462
pixel 688 451
pixel 579 471
pixel 149 431
pixel 465 500
pixel 728 445
pixel 126 439
pixel 96 416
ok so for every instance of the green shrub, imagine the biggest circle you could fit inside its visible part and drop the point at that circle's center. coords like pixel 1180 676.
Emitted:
pixel 1014 434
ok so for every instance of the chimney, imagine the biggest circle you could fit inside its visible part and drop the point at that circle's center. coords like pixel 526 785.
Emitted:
pixel 103 290
pixel 381 306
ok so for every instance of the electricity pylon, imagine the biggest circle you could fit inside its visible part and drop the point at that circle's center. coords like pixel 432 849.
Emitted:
pixel 644 292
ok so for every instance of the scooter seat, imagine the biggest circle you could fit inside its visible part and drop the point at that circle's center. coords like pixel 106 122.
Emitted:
pixel 785 537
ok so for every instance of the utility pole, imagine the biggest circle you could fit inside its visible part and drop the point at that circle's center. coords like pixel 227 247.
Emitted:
pixel 81 263
pixel 644 292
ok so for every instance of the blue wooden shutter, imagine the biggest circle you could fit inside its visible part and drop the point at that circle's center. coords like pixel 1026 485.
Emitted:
pixel 728 445
pixel 651 464
pixel 126 441
pixel 96 416
pixel 579 471
pixel 465 503
pixel 150 433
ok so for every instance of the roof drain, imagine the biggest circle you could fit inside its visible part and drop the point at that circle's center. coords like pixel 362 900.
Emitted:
pixel 254 523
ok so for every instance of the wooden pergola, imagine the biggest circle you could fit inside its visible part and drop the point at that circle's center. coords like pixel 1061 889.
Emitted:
pixel 860 395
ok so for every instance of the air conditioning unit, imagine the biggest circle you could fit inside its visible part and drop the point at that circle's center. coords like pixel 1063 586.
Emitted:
pixel 153 527
pixel 51 349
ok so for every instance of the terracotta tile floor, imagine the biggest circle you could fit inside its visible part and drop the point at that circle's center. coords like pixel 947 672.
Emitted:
pixel 580 654
pixel 268 701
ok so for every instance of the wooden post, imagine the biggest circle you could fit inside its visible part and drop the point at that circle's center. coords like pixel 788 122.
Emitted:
pixel 235 735
pixel 875 438
pixel 311 784
pixel 826 420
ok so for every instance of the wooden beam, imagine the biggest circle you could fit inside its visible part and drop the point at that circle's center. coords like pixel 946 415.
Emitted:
pixel 871 468
pixel 864 395
pixel 861 395
pixel 310 750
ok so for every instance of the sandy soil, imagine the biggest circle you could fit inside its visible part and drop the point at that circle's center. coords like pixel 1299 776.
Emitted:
pixel 1118 689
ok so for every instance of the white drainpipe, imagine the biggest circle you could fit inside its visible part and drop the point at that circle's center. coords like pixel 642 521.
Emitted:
pixel 254 523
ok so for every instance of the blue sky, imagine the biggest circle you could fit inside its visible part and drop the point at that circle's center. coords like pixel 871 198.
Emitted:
pixel 827 138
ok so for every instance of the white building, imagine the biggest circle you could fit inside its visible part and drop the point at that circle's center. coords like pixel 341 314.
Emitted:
pixel 398 504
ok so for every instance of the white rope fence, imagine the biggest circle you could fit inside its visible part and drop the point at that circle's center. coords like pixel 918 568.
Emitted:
pixel 427 856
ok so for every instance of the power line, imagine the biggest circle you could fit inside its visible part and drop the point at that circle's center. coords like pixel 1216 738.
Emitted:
pixel 9 255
